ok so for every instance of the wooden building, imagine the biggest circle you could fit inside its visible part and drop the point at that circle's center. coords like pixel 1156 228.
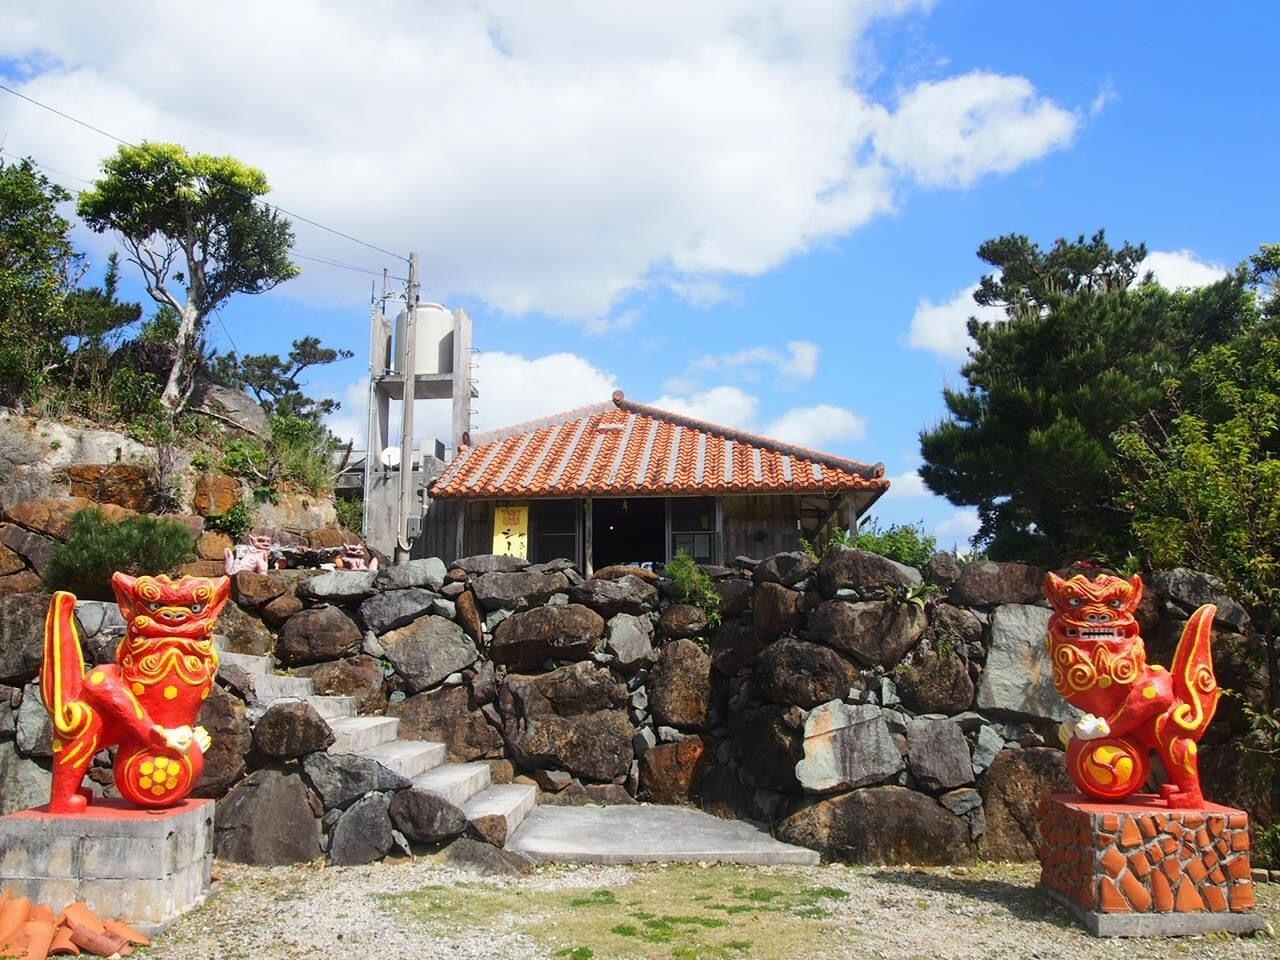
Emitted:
pixel 623 482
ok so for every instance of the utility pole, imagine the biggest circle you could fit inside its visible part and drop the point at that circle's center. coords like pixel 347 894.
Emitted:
pixel 408 372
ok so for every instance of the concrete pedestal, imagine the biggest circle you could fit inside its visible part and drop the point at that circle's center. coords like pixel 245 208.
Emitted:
pixel 1139 868
pixel 144 867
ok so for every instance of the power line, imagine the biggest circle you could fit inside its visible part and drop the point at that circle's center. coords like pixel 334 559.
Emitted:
pixel 328 261
pixel 242 192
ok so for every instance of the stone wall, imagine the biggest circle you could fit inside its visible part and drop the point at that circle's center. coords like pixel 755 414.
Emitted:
pixel 859 707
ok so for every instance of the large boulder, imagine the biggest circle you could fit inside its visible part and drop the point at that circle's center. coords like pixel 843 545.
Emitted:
pixel 630 640
pixel 23 783
pixel 339 586
pixel 427 651
pixel 682 621
pixel 1018 679
pixel 269 818
pixel 985 583
pixel 847 568
pixel 804 674
pixel 254 590
pixel 1011 792
pixel 214 493
pixel 939 754
pixel 362 833
pixel 846 746
pixel 224 762
pixel 672 772
pixel 339 779
pixel 680 693
pixel 124 484
pixel 10 562
pixel 24 581
pixel 35 549
pixel 880 825
pixel 776 610
pixel 317 634
pixel 245 633
pixel 566 631
pixel 935 679
pixel 735 645
pixel 467 613
pixel 429 573
pixel 573 718
pixel 618 570
pixel 788 569
pixel 445 716
pixel 514 591
pixel 52 517
pixel 359 677
pixel 769 739
pixel 425 817
pixel 395 608
pixel 626 594
pixel 22 619
pixel 291 729
pixel 1189 590
pixel 490 563
pixel 34 727
pixel 879 633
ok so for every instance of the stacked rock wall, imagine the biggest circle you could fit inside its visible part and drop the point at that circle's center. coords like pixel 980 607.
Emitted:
pixel 857 706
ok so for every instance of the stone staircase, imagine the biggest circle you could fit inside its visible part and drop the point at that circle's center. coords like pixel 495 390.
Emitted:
pixel 493 810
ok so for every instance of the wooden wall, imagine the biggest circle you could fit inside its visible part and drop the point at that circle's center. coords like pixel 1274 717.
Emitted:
pixel 440 529
pixel 760 526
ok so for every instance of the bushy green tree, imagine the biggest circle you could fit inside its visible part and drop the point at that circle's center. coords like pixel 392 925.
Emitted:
pixel 192 225
pixel 906 543
pixel 97 548
pixel 1085 348
pixel 275 383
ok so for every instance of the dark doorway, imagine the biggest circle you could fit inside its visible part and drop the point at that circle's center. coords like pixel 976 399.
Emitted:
pixel 631 530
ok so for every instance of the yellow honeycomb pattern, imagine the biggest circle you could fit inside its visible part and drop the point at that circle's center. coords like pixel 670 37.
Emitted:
pixel 159 775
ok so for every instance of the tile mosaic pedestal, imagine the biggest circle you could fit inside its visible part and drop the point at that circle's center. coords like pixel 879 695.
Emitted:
pixel 145 867
pixel 1139 868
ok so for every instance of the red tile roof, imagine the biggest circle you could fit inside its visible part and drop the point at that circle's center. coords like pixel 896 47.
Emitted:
pixel 624 448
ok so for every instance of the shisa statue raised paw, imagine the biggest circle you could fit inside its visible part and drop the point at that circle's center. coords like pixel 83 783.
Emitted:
pixel 147 702
pixel 1131 707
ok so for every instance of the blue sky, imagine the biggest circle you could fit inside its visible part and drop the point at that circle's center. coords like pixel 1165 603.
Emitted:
pixel 762 213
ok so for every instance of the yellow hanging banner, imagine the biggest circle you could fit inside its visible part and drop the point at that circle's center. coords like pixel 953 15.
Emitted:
pixel 511 531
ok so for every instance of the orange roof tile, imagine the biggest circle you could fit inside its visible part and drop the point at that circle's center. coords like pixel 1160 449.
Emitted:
pixel 624 448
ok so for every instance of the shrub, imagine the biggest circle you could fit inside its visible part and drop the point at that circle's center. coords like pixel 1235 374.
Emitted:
pixel 690 584
pixel 904 542
pixel 300 452
pixel 234 522
pixel 817 549
pixel 350 513
pixel 97 548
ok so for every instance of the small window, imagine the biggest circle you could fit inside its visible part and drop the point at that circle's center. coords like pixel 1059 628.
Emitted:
pixel 693 527
pixel 553 530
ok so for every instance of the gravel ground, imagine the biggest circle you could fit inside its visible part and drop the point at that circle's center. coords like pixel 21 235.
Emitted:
pixel 988 911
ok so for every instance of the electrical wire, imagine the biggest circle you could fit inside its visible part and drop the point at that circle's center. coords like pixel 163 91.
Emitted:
pixel 241 191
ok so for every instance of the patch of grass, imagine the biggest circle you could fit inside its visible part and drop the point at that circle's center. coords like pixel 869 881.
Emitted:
pixel 674 913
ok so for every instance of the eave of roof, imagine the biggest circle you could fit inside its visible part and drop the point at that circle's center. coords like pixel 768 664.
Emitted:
pixel 624 448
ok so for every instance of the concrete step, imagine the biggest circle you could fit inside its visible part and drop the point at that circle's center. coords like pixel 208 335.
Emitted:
pixel 455 782
pixel 496 811
pixel 246 662
pixel 332 708
pixel 409 758
pixel 645 833
pixel 268 687
pixel 358 734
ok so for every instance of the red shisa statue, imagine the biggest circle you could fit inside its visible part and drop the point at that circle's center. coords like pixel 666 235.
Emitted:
pixel 147 702
pixel 1131 707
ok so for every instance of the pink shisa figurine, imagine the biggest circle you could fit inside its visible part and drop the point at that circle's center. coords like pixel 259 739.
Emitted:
pixel 252 555
pixel 353 558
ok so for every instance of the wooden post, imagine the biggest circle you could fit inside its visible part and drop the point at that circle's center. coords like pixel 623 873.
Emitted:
pixel 458 525
pixel 587 536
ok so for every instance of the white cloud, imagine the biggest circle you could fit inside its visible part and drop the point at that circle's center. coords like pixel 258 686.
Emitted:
pixel 954 131
pixel 942 328
pixel 958 528
pixel 1105 97
pixel 800 362
pixel 817 427
pixel 1181 268
pixel 908 485
pixel 512 389
pixel 803 361
pixel 725 405
pixel 549 157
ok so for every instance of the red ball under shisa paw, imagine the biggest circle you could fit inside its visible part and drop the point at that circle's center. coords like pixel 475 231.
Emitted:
pixel 150 778
pixel 1109 768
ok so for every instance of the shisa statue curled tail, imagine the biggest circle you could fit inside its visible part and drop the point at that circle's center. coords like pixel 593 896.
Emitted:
pixel 1131 707
pixel 147 702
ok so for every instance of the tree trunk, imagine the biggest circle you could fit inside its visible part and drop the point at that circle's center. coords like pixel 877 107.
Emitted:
pixel 174 396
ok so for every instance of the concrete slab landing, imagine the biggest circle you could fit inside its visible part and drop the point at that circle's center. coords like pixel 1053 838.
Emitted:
pixel 647 834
